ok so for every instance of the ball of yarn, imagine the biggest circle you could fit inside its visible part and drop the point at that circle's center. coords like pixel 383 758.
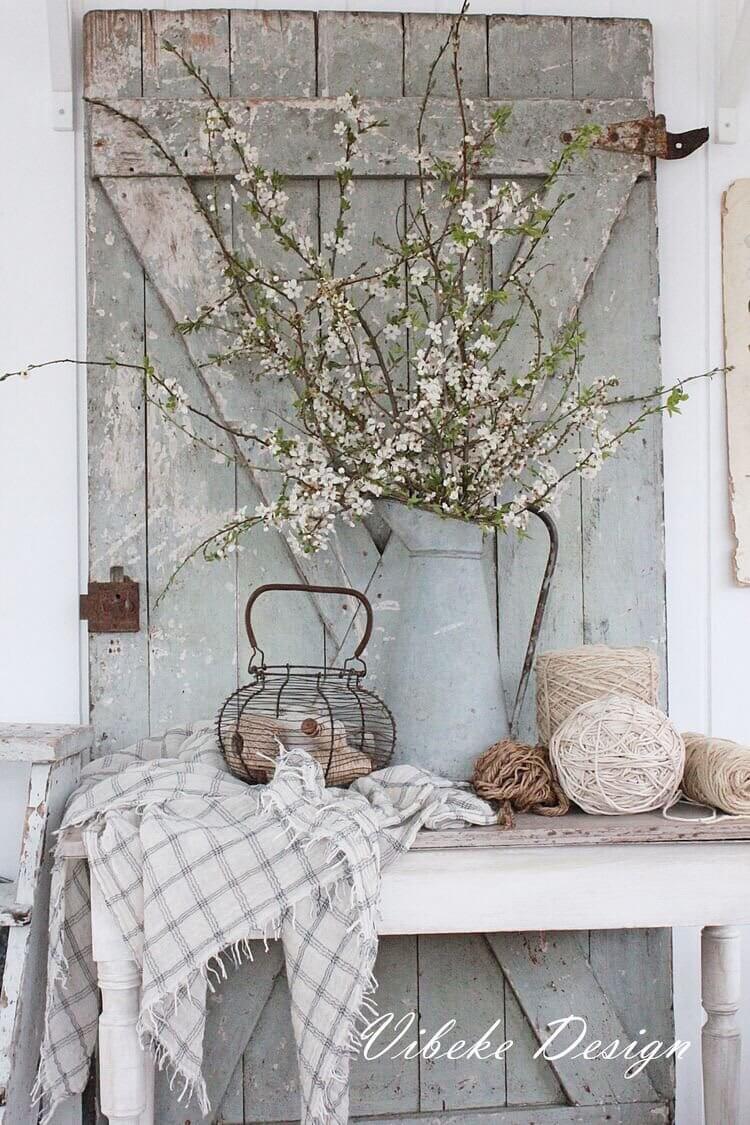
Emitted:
pixel 520 777
pixel 717 772
pixel 570 677
pixel 618 755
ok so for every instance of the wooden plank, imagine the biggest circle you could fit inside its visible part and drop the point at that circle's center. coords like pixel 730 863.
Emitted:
pixel 169 235
pixel 289 627
pixel 295 135
pixel 365 52
pixel 273 54
pixel 551 979
pixel 529 1081
pixel 383 1085
pixel 648 1113
pixel 579 829
pixel 112 54
pixel 424 35
pixel 190 496
pixel 576 829
pixel 22 998
pixel 202 36
pixel 234 1009
pixel 38 742
pixel 268 47
pixel 736 275
pixel 193 638
pixel 362 51
pixel 344 41
pixel 271 1083
pixel 390 1085
pixel 614 56
pixel 634 967
pixel 477 890
pixel 536 56
pixel 625 604
pixel 118 685
pixel 564 265
pixel 628 601
pixel 459 979
pixel 183 262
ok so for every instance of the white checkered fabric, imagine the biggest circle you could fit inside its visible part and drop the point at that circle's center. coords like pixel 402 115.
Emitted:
pixel 193 863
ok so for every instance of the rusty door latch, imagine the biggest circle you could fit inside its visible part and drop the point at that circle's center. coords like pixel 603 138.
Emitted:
pixel 114 606
pixel 647 136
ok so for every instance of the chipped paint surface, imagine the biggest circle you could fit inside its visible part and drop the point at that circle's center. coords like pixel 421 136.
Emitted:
pixel 26 914
pixel 150 494
pixel 296 135
pixel 736 266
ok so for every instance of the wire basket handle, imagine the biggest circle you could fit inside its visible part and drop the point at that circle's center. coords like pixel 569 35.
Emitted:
pixel 300 587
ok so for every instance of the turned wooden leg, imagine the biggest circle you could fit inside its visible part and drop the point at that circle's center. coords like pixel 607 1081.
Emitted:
pixel 720 959
pixel 125 1069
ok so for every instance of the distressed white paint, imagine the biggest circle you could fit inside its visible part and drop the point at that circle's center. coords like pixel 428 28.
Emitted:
pixel 736 288
pixel 54 755
pixel 721 1032
pixel 709 615
pixel 483 890
pixel 126 1084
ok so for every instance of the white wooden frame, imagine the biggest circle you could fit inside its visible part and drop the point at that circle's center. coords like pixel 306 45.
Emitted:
pixel 53 754
pixel 444 888
pixel 734 45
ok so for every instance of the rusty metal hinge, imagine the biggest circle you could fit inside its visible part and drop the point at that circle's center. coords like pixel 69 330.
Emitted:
pixel 647 136
pixel 114 606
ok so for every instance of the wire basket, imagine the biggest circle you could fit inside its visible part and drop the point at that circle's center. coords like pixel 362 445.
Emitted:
pixel 324 710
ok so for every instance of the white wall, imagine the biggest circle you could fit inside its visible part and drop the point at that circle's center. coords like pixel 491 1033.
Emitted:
pixel 40 451
pixel 39 664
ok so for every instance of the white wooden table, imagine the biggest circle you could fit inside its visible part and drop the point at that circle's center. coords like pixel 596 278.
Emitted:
pixel 575 873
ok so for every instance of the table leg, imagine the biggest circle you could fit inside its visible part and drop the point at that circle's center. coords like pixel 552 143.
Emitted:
pixel 720 961
pixel 125 1069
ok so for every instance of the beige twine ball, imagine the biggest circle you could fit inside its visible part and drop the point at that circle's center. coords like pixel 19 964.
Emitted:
pixel 618 755
pixel 569 677
pixel 717 772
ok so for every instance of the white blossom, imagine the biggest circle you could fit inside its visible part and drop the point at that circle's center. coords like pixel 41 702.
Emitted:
pixel 458 424
pixel 292 288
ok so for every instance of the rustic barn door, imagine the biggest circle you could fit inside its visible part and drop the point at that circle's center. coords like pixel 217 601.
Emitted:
pixel 153 495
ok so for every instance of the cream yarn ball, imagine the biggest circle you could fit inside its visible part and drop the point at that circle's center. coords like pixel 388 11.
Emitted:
pixel 618 755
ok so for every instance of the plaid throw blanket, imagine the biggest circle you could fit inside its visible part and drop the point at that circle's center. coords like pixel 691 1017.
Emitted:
pixel 193 863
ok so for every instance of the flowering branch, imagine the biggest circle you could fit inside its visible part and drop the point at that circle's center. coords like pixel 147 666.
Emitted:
pixel 406 378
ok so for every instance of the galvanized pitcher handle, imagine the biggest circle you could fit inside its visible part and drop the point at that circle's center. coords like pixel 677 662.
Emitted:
pixel 302 588
pixel 536 624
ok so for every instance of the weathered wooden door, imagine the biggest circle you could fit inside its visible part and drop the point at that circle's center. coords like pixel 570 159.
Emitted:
pixel 153 496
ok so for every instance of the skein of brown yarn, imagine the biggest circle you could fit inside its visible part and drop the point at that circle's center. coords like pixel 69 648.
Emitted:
pixel 521 778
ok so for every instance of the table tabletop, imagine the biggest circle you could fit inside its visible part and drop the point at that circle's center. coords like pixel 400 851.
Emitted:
pixel 578 828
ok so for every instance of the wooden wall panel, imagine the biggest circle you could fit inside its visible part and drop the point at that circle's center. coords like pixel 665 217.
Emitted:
pixel 167 493
pixel 119 680
pixel 193 631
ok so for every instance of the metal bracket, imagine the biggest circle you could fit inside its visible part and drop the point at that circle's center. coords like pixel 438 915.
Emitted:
pixel 61 65
pixel 114 606
pixel 734 47
pixel 647 136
